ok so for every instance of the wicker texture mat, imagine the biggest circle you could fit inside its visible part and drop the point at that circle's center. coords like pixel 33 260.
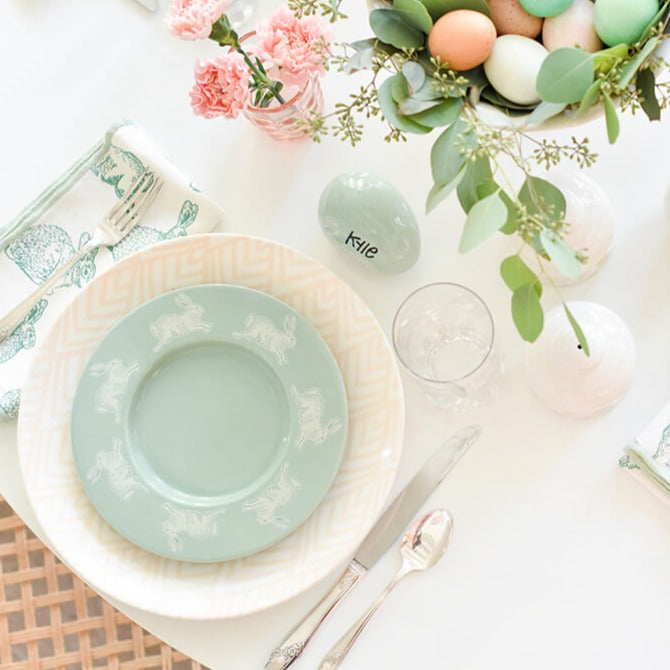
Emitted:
pixel 50 620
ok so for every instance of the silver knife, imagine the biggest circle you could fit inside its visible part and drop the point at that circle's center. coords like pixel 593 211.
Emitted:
pixel 383 534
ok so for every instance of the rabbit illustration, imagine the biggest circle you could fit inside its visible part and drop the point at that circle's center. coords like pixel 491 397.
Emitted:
pixel 275 496
pixel 311 411
pixel 190 523
pixel 261 330
pixel 119 168
pixel 23 336
pixel 110 393
pixel 44 247
pixel 178 324
pixel 120 475
pixel 143 236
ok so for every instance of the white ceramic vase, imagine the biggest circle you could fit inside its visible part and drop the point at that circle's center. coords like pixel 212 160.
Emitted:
pixel 564 378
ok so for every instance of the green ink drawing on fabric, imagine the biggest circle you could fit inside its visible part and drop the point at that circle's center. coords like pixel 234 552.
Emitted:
pixel 23 336
pixel 43 248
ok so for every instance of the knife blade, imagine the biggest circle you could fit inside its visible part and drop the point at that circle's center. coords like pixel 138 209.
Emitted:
pixel 376 543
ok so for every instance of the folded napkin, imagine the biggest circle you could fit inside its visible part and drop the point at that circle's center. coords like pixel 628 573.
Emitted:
pixel 63 218
pixel 647 457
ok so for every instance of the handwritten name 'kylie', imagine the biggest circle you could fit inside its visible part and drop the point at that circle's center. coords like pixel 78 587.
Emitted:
pixel 362 246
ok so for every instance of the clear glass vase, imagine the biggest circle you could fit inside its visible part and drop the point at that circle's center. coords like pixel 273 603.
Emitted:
pixel 286 122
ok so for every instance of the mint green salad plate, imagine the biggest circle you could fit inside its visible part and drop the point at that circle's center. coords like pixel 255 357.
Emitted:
pixel 209 423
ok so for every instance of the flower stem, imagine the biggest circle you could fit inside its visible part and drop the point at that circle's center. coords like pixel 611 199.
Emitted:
pixel 225 35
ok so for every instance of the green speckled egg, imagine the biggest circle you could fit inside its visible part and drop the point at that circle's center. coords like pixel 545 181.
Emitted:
pixel 624 21
pixel 545 7
pixel 370 220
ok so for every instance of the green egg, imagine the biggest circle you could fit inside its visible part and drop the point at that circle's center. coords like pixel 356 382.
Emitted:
pixel 623 21
pixel 545 7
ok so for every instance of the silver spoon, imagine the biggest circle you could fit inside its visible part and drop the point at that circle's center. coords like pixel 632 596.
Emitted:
pixel 421 547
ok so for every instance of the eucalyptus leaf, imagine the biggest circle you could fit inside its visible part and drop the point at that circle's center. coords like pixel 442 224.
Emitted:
pixel 411 106
pixel 390 27
pixel 563 256
pixel 611 119
pixel 629 70
pixel 512 224
pixel 437 8
pixel 579 333
pixel 527 312
pixel 516 273
pixel 545 111
pixel 476 173
pixel 414 13
pixel 442 114
pixel 414 74
pixel 604 60
pixel 646 84
pixel 440 192
pixel 491 95
pixel 590 97
pixel 447 156
pixel 487 216
pixel 429 91
pixel 390 111
pixel 541 197
pixel 565 75
pixel 360 60
pixel 399 89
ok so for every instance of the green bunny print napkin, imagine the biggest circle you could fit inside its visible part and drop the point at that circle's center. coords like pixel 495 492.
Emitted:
pixel 647 457
pixel 62 219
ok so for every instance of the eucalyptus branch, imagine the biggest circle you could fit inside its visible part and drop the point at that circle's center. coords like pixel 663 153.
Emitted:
pixel 327 8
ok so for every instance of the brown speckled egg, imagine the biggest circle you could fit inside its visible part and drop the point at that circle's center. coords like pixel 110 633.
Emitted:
pixel 462 38
pixel 510 18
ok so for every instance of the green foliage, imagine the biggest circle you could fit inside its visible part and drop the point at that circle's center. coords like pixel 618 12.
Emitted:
pixel 391 27
pixel 565 76
pixel 527 311
pixel 438 8
pixel 415 14
pixel 611 119
pixel 486 216
pixel 646 87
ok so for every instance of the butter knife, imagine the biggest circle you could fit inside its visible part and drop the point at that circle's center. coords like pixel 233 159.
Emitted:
pixel 382 535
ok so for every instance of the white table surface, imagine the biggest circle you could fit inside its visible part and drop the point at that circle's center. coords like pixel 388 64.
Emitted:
pixel 558 558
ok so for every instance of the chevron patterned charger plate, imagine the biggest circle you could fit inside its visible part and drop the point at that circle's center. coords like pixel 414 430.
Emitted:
pixel 121 569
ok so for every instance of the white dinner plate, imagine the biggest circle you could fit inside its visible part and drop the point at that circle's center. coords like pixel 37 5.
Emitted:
pixel 119 568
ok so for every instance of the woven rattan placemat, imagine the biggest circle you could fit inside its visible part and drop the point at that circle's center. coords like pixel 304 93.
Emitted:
pixel 50 619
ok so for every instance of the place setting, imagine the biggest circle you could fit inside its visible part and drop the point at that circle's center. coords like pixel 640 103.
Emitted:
pixel 212 424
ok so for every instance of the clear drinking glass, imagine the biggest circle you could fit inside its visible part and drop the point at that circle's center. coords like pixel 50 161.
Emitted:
pixel 444 335
pixel 240 11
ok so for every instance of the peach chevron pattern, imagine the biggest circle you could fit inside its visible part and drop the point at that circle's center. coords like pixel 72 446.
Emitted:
pixel 118 568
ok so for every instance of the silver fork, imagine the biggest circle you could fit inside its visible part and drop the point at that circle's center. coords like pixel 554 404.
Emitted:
pixel 115 225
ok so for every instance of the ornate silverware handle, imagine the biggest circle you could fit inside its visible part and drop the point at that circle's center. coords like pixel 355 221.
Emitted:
pixel 341 648
pixel 296 640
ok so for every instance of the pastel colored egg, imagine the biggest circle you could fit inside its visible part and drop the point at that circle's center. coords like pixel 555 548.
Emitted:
pixel 513 66
pixel 573 28
pixel 462 38
pixel 545 7
pixel 509 17
pixel 624 21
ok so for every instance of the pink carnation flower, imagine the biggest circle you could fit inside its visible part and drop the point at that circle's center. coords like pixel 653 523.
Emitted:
pixel 193 19
pixel 293 44
pixel 221 87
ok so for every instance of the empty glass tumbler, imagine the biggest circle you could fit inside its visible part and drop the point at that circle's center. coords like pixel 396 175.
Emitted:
pixel 444 335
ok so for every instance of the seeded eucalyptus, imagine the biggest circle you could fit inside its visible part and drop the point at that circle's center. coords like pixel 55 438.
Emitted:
pixel 416 94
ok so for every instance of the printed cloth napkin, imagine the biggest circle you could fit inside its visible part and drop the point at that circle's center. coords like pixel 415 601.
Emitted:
pixel 647 457
pixel 62 219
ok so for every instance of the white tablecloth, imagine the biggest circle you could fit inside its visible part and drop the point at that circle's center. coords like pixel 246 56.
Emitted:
pixel 558 558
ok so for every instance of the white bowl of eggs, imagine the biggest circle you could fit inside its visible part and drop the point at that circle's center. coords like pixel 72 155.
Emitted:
pixel 510 40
